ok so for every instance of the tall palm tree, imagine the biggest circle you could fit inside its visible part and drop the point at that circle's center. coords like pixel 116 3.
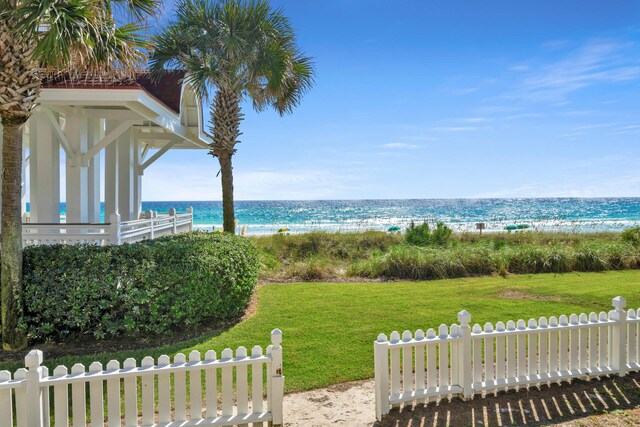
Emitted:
pixel 242 49
pixel 40 38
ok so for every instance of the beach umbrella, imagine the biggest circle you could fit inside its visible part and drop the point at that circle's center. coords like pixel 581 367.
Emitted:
pixel 394 229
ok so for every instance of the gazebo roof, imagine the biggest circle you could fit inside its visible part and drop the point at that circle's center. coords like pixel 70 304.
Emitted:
pixel 163 110
pixel 166 89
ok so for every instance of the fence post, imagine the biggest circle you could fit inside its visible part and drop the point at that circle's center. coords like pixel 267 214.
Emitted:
pixel 172 213
pixel 381 371
pixel 619 338
pixel 35 409
pixel 190 211
pixel 464 355
pixel 277 379
pixel 114 228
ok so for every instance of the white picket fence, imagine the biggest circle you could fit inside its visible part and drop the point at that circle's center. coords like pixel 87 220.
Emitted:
pixel 167 397
pixel 464 361
pixel 149 226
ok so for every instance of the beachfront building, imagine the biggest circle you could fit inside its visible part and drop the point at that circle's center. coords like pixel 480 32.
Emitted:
pixel 108 132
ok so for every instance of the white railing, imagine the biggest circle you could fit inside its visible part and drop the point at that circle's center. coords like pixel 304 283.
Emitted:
pixel 465 361
pixel 165 398
pixel 150 226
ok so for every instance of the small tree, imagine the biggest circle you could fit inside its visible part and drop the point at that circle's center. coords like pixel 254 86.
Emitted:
pixel 39 38
pixel 242 49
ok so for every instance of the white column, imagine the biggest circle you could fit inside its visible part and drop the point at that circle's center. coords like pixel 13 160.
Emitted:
pixel 110 173
pixel 126 161
pixel 96 133
pixel 137 194
pixel 77 173
pixel 44 170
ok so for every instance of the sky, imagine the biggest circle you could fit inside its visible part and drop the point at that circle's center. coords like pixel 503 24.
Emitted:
pixel 442 99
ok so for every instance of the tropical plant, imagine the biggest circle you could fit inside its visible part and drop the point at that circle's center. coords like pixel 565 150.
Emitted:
pixel 423 235
pixel 40 39
pixel 244 50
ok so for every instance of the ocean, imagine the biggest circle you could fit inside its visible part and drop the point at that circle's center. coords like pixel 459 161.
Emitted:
pixel 550 214
pixel 297 216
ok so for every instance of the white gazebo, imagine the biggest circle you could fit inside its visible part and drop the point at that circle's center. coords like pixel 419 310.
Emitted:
pixel 131 123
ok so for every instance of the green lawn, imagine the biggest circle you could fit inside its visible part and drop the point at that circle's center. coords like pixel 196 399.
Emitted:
pixel 329 328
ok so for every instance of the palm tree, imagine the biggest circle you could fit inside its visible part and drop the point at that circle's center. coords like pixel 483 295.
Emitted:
pixel 40 38
pixel 242 49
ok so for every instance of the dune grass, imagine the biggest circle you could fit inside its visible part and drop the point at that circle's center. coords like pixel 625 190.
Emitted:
pixel 376 255
pixel 329 328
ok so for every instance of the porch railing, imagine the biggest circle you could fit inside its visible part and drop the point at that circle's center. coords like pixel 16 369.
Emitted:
pixel 149 226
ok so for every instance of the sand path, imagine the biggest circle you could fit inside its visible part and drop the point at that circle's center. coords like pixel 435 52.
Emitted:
pixel 349 404
pixel 607 402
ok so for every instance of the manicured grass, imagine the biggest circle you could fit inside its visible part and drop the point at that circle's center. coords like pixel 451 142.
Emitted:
pixel 329 327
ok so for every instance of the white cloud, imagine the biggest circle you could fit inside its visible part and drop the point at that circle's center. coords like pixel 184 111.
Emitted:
pixel 596 62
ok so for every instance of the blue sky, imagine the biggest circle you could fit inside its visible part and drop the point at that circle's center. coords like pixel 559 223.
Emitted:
pixel 442 99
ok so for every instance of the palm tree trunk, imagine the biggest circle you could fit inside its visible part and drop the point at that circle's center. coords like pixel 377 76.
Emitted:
pixel 226 116
pixel 13 338
pixel 228 213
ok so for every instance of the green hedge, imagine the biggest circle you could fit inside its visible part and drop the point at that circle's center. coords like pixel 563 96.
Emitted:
pixel 151 287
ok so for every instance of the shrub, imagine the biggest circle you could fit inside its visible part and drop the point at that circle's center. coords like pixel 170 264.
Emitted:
pixel 150 287
pixel 632 235
pixel 422 235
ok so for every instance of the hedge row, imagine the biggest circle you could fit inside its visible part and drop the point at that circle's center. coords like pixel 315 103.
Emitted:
pixel 149 287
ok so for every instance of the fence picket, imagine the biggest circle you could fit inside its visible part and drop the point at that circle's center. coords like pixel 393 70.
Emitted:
pixel 554 359
pixel 211 380
pixel 477 354
pixel 432 358
pixel 543 346
pixel 454 352
pixel 164 391
pixel 395 363
pixel 488 353
pixel 522 347
pixel 113 397
pixel 21 401
pixel 96 396
pixel 443 361
pixel 563 345
pixel 583 337
pixel 419 371
pixel 603 341
pixel 195 387
pixel 256 382
pixel 148 392
pixel 180 388
pixel 501 361
pixel 242 383
pixel 532 348
pixel 130 395
pixel 227 384
pixel 60 399
pixel 78 398
pixel 407 363
pixel 593 341
pixel 632 337
pixel 574 345
pixel 511 350
pixel 6 401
